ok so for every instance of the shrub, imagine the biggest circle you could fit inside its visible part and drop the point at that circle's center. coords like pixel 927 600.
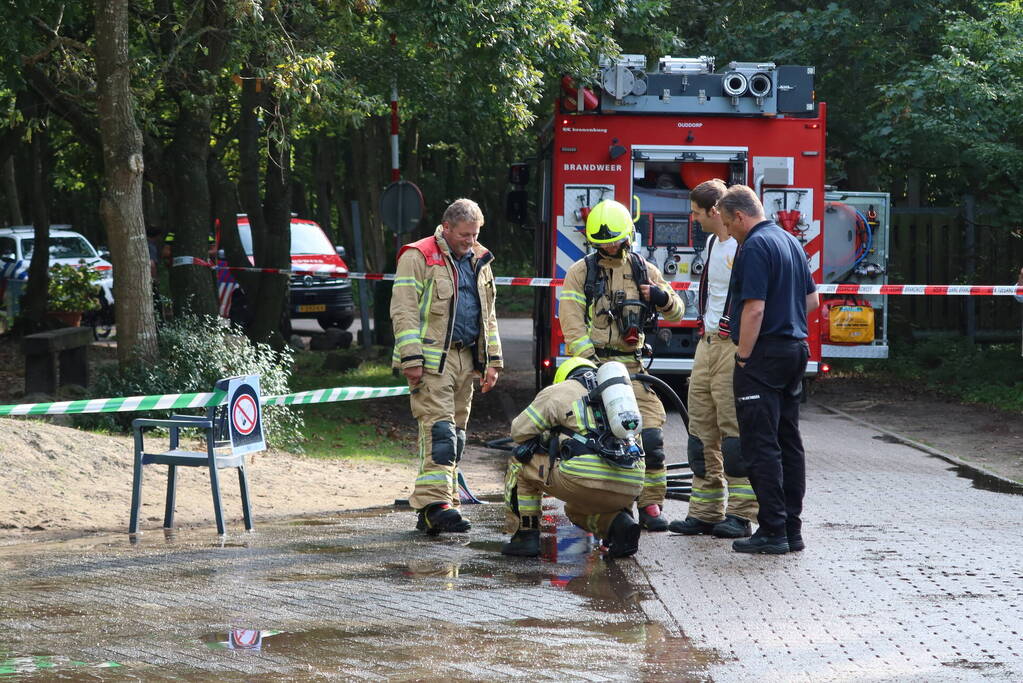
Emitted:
pixel 73 288
pixel 195 352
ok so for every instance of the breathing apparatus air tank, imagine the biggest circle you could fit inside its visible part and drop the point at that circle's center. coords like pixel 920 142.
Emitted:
pixel 619 401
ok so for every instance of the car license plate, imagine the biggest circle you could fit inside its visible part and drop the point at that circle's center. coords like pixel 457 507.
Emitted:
pixel 312 308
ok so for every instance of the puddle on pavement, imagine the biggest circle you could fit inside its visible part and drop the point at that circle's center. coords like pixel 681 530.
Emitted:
pixel 568 561
pixel 981 480
pixel 322 549
pixel 251 639
pixel 640 647
pixel 987 482
pixel 16 667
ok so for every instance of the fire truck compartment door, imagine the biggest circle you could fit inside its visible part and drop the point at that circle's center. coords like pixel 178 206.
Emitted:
pixel 684 153
pixel 579 197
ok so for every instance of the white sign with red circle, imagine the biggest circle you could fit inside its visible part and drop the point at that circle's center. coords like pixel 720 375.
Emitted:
pixel 245 415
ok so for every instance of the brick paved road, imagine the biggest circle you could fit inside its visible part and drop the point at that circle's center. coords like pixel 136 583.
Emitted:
pixel 911 573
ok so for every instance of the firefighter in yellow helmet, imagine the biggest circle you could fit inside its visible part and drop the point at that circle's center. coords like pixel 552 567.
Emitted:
pixel 565 449
pixel 606 299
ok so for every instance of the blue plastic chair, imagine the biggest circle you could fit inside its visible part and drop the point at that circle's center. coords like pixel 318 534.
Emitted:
pixel 217 456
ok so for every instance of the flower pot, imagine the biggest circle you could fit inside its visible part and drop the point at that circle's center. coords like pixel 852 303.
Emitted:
pixel 69 318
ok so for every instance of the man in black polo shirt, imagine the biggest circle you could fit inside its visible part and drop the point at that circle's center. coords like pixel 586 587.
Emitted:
pixel 771 292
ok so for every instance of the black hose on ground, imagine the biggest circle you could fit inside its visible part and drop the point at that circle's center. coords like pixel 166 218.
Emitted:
pixel 665 391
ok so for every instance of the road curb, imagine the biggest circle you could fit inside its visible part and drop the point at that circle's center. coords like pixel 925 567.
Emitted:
pixel 948 457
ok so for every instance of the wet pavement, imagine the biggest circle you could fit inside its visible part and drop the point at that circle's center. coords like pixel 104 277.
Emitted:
pixel 352 597
pixel 913 572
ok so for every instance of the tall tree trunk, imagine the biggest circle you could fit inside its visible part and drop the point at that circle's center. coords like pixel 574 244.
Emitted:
pixel 277 252
pixel 192 287
pixel 324 165
pixel 36 293
pixel 121 204
pixel 11 192
pixel 368 168
pixel 270 222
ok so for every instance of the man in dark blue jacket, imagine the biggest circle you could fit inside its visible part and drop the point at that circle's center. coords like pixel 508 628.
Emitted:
pixel 771 293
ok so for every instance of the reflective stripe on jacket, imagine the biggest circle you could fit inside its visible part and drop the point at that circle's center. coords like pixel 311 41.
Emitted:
pixel 424 301
pixel 580 337
pixel 562 405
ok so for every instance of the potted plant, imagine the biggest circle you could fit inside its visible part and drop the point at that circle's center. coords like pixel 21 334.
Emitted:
pixel 73 290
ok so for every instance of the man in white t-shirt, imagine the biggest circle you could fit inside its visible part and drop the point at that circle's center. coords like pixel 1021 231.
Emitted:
pixel 722 502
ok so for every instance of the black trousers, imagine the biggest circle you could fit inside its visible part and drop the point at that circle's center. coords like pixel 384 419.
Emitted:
pixel 767 393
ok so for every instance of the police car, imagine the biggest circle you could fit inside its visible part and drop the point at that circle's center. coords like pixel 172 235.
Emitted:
pixel 66 247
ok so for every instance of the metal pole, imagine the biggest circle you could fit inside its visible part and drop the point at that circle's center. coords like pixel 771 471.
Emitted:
pixel 395 171
pixel 360 264
pixel 970 265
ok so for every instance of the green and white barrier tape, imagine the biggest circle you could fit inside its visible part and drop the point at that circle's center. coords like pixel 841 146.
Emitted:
pixel 126 404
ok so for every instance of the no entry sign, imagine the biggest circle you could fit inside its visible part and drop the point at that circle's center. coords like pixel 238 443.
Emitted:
pixel 244 414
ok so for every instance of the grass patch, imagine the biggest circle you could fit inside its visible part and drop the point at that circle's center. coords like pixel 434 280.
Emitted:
pixel 349 429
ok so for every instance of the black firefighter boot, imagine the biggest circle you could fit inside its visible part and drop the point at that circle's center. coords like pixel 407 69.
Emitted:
pixel 623 536
pixel 441 517
pixel 526 541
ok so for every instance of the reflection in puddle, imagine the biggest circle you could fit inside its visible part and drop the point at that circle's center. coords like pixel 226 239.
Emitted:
pixel 312 548
pixel 238 639
pixel 15 666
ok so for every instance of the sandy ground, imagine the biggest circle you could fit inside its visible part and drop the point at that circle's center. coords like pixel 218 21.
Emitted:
pixel 56 478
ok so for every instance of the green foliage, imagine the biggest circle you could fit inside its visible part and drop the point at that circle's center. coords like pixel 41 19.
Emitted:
pixel 73 288
pixel 514 300
pixel 195 352
pixel 960 111
pixel 347 428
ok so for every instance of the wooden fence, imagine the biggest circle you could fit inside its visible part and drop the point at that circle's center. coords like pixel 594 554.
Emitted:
pixel 928 246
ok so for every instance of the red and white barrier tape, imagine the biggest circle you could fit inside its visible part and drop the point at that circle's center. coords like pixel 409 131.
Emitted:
pixel 850 289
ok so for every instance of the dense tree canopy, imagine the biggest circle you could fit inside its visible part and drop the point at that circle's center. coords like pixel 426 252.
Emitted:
pixel 269 107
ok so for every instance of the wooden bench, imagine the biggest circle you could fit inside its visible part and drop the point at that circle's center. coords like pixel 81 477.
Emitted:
pixel 56 358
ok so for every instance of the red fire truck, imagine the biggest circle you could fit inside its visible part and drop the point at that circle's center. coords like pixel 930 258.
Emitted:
pixel 645 138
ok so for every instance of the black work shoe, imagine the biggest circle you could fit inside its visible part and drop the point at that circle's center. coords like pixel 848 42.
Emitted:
pixel 733 527
pixel 796 542
pixel 525 543
pixel 441 517
pixel 651 519
pixel 623 536
pixel 691 526
pixel 762 543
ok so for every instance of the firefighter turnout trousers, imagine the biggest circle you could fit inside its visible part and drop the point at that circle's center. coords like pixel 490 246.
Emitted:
pixel 594 491
pixel 720 483
pixel 441 403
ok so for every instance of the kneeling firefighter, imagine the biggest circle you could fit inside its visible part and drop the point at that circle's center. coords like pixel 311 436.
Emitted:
pixel 578 441
pixel 609 296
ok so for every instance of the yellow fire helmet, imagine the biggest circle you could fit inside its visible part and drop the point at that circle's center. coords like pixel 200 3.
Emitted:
pixel 570 366
pixel 608 222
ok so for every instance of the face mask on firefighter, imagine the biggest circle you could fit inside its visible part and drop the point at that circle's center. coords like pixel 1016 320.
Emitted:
pixel 630 315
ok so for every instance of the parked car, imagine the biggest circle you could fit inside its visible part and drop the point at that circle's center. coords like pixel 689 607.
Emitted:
pixel 320 294
pixel 66 246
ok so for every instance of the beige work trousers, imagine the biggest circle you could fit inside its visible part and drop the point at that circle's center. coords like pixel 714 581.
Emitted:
pixel 589 508
pixel 444 397
pixel 711 419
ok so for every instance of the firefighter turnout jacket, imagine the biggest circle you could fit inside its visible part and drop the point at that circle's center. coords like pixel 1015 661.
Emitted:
pixel 591 332
pixel 588 329
pixel 594 489
pixel 564 405
pixel 424 302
